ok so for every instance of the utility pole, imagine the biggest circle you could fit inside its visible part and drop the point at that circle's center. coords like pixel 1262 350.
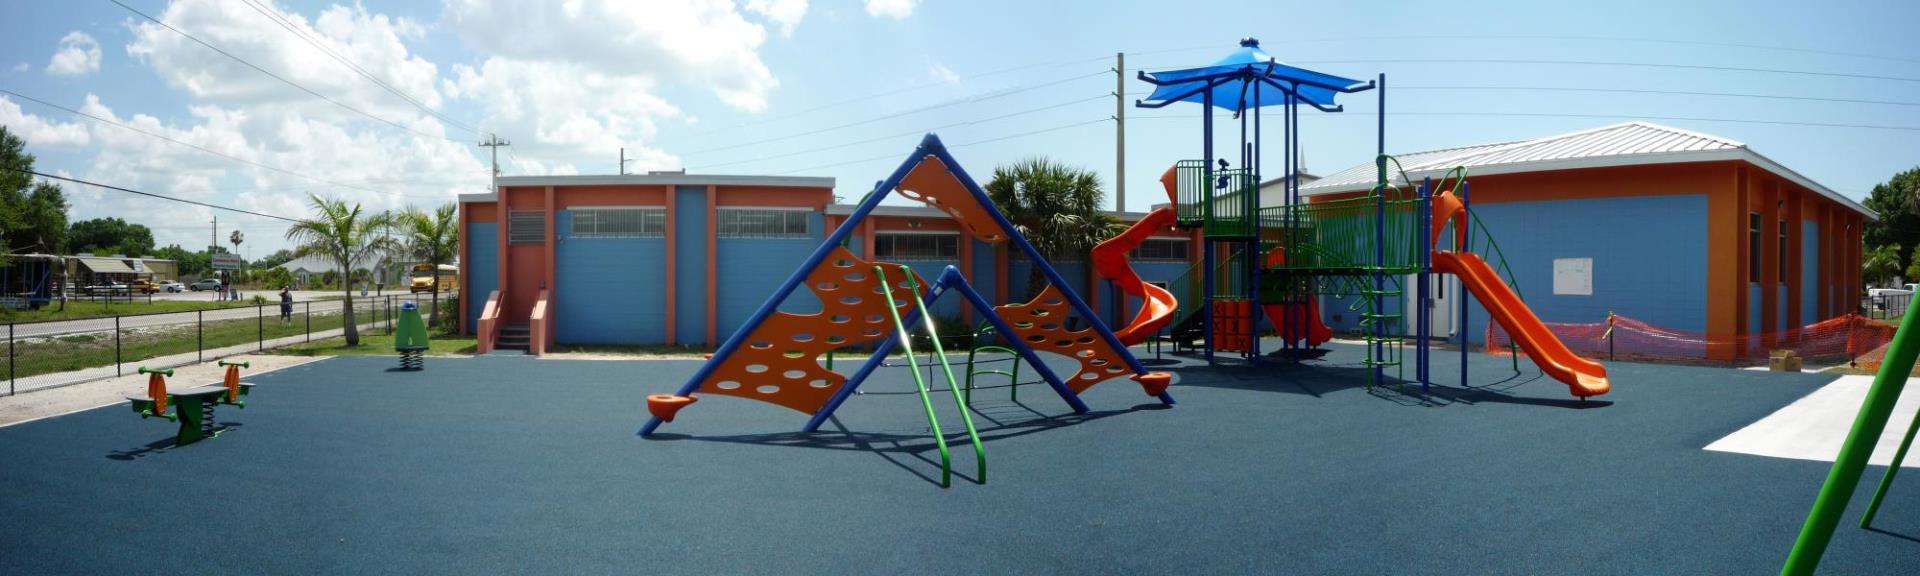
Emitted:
pixel 1120 131
pixel 623 161
pixel 495 143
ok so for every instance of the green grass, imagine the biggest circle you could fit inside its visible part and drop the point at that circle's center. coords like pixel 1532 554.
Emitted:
pixel 82 309
pixel 81 351
pixel 649 350
pixel 378 343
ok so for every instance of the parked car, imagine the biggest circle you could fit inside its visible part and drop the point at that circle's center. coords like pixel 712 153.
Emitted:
pixel 205 284
pixel 172 286
pixel 107 289
pixel 144 286
pixel 1906 290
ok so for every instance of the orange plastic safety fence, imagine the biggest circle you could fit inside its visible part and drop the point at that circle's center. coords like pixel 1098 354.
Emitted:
pixel 1851 338
pixel 1042 324
pixel 779 361
pixel 932 183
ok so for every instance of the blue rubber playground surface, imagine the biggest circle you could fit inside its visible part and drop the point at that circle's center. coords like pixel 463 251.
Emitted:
pixel 516 465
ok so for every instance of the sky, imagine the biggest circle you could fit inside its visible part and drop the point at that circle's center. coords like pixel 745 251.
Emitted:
pixel 383 102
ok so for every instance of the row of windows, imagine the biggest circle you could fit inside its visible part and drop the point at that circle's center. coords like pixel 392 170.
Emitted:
pixel 916 246
pixel 1754 238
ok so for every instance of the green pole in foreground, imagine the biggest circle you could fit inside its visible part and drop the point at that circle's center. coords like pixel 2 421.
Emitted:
pixel 1900 455
pixel 959 397
pixel 1852 461
pixel 920 384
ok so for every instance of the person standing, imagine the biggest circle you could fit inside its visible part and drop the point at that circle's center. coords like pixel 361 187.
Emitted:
pixel 286 305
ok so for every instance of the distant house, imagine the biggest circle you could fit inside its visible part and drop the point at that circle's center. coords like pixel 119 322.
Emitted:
pixel 306 271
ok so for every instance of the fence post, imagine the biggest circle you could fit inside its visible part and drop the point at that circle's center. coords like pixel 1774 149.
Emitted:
pixel 116 345
pixel 200 335
pixel 10 390
pixel 309 306
pixel 260 327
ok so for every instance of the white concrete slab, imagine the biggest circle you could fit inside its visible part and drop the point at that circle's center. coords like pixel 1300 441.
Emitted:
pixel 1812 428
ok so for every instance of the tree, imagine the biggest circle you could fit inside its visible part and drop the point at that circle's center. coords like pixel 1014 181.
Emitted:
pixel 191 263
pixel 1881 264
pixel 1898 203
pixel 278 257
pixel 1056 207
pixel 110 236
pixel 342 235
pixel 33 216
pixel 430 238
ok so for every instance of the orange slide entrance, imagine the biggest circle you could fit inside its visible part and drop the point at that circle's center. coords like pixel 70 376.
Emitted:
pixel 1110 261
pixel 1583 377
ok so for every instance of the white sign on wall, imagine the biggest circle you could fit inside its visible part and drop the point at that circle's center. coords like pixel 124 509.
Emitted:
pixel 1573 276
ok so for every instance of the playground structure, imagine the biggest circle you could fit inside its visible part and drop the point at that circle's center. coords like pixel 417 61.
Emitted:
pixel 193 408
pixel 776 356
pixel 410 337
pixel 1280 260
pixel 1868 426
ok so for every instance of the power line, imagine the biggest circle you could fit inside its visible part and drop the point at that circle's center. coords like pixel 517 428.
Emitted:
pixel 950 146
pixel 812 150
pixel 1505 37
pixel 949 103
pixel 277 76
pixel 182 143
pixel 1663 92
pixel 1611 63
pixel 277 18
pixel 1603 116
pixel 148 194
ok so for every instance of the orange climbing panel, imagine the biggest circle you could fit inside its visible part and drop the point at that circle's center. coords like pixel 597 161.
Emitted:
pixel 1232 325
pixel 932 183
pixel 779 362
pixel 1042 324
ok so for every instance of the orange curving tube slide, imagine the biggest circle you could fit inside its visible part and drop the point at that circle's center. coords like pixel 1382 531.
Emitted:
pixel 1110 261
pixel 1317 331
pixel 1583 377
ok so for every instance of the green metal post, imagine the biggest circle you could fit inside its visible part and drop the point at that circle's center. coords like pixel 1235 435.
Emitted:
pixel 1852 461
pixel 920 384
pixel 1899 456
pixel 953 384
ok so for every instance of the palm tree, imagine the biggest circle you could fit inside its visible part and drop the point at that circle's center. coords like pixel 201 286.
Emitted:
pixel 1056 207
pixel 345 237
pixel 236 238
pixel 431 239
pixel 1881 263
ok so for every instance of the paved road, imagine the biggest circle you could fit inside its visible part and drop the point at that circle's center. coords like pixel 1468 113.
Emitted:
pixel 360 306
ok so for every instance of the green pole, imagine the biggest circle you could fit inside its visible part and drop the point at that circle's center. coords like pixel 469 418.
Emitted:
pixel 1845 474
pixel 959 397
pixel 1873 506
pixel 920 384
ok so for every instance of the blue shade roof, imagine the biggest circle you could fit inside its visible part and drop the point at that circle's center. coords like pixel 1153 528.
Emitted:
pixel 1247 78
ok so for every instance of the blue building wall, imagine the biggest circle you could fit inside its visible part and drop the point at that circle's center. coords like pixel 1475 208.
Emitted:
pixel 610 288
pixel 1753 308
pixel 751 269
pixel 985 277
pixel 482 267
pixel 1810 272
pixel 1649 258
pixel 690 264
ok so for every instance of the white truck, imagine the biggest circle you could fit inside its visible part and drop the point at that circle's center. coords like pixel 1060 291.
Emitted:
pixel 1890 302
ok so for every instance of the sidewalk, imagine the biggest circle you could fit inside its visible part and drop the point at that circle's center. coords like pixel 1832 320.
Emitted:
pixel 59 379
pixel 112 390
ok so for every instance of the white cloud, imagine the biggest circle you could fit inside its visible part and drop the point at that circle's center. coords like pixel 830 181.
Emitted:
pixel 39 131
pixel 895 9
pixel 22 67
pixel 786 13
pixel 705 43
pixel 564 110
pixel 943 74
pixel 78 54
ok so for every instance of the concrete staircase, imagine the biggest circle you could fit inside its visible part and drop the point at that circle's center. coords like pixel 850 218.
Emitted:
pixel 513 337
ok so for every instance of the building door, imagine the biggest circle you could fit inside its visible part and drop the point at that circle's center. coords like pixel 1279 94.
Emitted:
pixel 1440 291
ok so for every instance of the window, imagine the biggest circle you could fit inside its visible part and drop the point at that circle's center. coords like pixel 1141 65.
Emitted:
pixel 1783 251
pixel 1753 247
pixel 526 226
pixel 1162 249
pixel 916 246
pixel 761 223
pixel 638 222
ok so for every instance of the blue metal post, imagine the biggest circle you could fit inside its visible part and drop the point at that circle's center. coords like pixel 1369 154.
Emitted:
pixel 1379 229
pixel 1258 259
pixel 1466 235
pixel 800 275
pixel 1206 193
pixel 1423 313
pixel 1292 110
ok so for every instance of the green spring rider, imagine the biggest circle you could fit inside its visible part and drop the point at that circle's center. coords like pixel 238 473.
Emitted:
pixel 192 408
pixel 410 337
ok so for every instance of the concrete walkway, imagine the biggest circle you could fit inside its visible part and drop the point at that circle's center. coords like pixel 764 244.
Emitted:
pixel 112 390
pixel 1814 427
pixel 58 379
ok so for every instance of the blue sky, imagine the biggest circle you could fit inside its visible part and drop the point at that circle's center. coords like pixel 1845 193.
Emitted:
pixel 842 87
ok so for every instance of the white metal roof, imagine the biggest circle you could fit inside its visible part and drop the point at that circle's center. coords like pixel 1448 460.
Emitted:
pixel 1625 144
pixel 657 179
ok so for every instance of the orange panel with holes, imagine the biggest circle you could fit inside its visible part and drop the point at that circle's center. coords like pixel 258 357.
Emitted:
pixel 932 183
pixel 1042 324
pixel 779 362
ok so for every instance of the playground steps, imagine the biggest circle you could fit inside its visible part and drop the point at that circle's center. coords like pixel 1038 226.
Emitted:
pixel 514 337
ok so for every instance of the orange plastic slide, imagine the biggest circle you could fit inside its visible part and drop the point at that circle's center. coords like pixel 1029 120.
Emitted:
pixel 1583 377
pixel 1110 261
pixel 1317 331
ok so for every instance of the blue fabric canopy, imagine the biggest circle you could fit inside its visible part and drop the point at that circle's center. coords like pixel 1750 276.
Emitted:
pixel 1246 78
